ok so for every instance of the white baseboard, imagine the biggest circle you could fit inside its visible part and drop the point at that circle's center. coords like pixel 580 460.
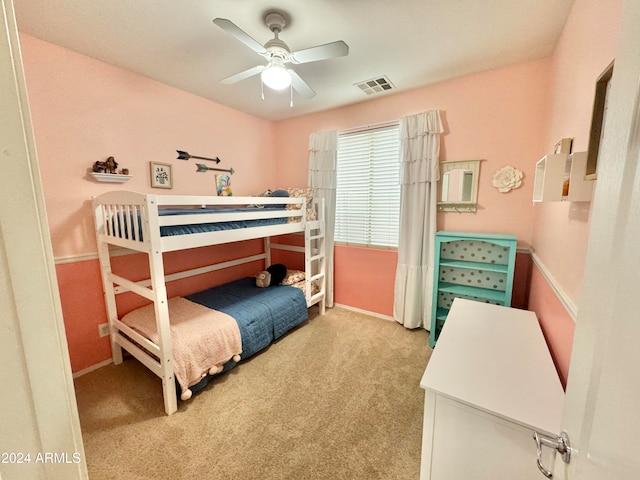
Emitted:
pixel 92 368
pixel 365 312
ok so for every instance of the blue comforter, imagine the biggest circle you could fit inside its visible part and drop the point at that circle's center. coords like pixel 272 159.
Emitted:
pixel 263 314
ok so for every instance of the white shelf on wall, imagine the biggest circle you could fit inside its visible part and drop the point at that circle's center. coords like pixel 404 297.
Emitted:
pixel 560 177
pixel 549 177
pixel 110 177
pixel 580 189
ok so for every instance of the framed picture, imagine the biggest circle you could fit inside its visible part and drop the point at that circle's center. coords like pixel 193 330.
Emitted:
pixel 223 185
pixel 598 116
pixel 161 175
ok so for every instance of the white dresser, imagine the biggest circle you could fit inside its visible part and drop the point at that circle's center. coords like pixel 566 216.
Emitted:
pixel 489 384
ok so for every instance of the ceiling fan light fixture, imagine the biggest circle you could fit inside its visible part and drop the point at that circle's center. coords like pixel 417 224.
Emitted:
pixel 278 54
pixel 275 76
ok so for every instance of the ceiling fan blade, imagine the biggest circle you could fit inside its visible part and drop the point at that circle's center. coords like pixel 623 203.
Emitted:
pixel 232 29
pixel 300 85
pixel 321 52
pixel 242 75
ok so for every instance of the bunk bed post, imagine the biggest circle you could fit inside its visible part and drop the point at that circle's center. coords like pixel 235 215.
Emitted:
pixel 267 252
pixel 151 231
pixel 108 291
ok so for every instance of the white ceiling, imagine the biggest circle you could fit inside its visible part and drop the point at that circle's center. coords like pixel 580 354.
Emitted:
pixel 412 42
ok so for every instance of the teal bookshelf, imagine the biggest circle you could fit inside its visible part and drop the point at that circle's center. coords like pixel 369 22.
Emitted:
pixel 475 266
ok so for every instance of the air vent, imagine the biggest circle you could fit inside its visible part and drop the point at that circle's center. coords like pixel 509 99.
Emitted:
pixel 375 85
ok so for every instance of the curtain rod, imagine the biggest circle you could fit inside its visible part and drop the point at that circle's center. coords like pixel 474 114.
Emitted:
pixel 371 126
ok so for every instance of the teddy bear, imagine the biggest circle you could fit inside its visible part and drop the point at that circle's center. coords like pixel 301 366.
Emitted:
pixel 273 275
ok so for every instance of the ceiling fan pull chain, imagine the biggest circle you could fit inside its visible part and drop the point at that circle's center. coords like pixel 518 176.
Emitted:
pixel 262 90
pixel 291 102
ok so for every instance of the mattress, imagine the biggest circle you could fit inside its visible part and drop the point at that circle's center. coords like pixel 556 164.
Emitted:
pixel 213 227
pixel 173 230
pixel 263 314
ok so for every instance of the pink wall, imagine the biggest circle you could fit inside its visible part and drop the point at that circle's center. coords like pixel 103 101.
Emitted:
pixel 495 116
pixel 84 110
pixel 508 116
pixel 556 323
pixel 83 310
pixel 83 303
pixel 586 47
pixel 364 278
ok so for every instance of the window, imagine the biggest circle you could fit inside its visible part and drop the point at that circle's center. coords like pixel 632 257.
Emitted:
pixel 368 187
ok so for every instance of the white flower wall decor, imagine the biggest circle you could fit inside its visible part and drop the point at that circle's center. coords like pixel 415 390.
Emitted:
pixel 507 178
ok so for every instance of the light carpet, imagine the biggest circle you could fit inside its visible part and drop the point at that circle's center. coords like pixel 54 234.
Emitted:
pixel 336 398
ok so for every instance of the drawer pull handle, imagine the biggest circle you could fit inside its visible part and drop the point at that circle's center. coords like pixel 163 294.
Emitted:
pixel 561 444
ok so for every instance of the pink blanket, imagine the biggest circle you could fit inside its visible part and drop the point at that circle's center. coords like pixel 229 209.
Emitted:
pixel 203 339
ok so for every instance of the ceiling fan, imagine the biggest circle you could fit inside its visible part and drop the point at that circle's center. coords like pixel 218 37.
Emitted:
pixel 275 73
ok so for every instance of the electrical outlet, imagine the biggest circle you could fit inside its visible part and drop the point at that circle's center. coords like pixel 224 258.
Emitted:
pixel 103 329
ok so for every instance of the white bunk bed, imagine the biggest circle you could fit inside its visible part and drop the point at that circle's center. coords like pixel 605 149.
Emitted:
pixel 139 222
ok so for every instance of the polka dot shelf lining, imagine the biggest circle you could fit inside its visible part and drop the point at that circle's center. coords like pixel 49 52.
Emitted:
pixel 475 251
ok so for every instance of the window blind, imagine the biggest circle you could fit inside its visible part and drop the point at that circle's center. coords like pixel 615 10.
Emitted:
pixel 368 187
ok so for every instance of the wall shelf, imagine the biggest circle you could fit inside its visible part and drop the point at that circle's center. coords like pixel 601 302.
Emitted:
pixel 561 177
pixel 490 267
pixel 110 177
pixel 477 292
pixel 580 189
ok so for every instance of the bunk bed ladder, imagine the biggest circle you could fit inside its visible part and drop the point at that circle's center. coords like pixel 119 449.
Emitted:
pixel 314 257
pixel 314 260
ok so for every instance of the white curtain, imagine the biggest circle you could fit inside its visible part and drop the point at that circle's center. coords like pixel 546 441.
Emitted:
pixel 419 172
pixel 322 178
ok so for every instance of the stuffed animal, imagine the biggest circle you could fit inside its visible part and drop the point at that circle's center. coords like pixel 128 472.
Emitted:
pixel 273 275
pixel 108 166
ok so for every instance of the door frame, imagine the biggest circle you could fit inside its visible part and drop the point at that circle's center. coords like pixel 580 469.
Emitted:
pixel 39 410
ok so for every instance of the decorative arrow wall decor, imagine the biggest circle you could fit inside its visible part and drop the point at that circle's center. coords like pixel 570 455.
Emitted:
pixel 201 167
pixel 182 155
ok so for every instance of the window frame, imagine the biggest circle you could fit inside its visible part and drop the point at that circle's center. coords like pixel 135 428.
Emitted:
pixel 389 163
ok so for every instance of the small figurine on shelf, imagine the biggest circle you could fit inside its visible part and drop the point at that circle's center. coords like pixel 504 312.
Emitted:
pixel 124 171
pixel 99 167
pixel 108 166
pixel 112 166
